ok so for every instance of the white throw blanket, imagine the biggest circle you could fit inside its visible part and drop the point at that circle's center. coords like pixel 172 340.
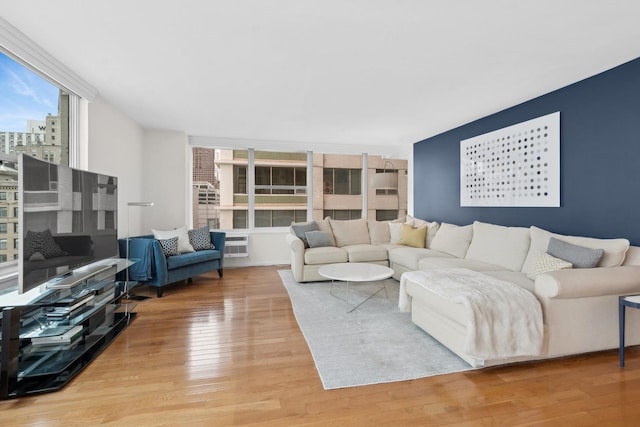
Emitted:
pixel 504 320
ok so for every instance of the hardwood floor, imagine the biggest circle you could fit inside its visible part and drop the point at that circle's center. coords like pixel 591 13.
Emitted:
pixel 229 352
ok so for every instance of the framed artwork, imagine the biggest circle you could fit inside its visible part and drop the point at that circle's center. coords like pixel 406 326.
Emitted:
pixel 518 165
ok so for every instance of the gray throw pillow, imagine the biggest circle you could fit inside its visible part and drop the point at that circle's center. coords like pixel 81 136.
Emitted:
pixel 579 256
pixel 318 239
pixel 300 229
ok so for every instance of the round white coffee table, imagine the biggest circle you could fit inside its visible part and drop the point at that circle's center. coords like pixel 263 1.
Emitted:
pixel 356 272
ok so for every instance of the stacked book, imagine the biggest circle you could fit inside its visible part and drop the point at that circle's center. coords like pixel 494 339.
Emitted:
pixel 58 335
pixel 69 306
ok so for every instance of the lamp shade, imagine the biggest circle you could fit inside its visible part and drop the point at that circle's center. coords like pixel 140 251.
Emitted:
pixel 384 181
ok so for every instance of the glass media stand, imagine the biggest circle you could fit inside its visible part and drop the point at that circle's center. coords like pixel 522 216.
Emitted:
pixel 50 336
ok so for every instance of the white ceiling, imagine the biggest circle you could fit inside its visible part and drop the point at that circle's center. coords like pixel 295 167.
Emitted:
pixel 373 72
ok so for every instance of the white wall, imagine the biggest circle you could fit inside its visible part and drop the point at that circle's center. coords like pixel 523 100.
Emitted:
pixel 166 180
pixel 115 147
pixel 265 248
pixel 154 165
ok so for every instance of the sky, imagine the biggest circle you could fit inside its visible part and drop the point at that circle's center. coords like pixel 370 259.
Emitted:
pixel 24 95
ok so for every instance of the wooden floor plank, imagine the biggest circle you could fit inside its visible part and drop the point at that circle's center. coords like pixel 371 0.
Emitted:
pixel 228 352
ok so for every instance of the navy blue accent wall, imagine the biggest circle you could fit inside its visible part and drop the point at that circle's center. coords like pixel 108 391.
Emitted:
pixel 599 158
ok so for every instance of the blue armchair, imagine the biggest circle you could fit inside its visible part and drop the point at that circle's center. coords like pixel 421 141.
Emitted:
pixel 154 269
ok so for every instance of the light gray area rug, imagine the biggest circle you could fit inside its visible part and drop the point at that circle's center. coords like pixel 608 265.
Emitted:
pixel 374 344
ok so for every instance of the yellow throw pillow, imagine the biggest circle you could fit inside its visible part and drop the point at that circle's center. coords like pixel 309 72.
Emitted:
pixel 414 237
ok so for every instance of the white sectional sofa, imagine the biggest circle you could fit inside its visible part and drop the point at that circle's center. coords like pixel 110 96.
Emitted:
pixel 579 306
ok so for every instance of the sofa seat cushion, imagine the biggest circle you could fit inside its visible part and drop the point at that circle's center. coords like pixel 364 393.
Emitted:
pixel 515 277
pixel 391 246
pixel 190 258
pixel 429 301
pixel 433 263
pixel 325 255
pixel 350 232
pixel 365 253
pixel 409 257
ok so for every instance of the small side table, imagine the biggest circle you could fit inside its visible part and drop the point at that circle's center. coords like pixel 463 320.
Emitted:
pixel 625 301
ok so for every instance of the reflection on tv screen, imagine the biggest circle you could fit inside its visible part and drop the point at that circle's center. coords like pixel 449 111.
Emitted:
pixel 68 219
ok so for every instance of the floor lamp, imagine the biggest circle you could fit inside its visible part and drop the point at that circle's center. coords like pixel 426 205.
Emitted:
pixel 387 180
pixel 127 293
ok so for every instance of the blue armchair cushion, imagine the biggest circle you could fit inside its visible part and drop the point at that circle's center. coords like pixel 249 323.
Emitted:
pixel 183 260
pixel 169 246
pixel 200 239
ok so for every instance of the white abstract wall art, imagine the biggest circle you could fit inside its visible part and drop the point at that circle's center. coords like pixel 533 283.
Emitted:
pixel 514 166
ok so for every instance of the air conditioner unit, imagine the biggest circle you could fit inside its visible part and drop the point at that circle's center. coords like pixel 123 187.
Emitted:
pixel 236 245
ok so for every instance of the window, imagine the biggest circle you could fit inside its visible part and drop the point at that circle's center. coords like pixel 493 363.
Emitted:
pixel 342 214
pixel 386 215
pixel 279 218
pixel 342 181
pixel 281 180
pixel 225 197
pixel 240 219
pixel 25 90
pixel 28 103
pixel 240 179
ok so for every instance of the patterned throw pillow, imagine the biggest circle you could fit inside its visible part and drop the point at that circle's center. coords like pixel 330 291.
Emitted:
pixel 543 263
pixel 43 242
pixel 200 239
pixel 169 246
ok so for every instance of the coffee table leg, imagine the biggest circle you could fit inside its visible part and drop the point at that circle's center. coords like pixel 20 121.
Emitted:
pixel 383 288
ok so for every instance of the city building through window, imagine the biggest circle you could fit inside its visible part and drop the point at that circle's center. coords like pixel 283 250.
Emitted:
pixel 250 189
pixel 34 119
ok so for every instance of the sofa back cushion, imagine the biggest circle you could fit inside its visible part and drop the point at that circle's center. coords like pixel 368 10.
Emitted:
pixel 495 244
pixel 452 239
pixel 324 225
pixel 614 249
pixel 432 228
pixel 379 231
pixel 350 232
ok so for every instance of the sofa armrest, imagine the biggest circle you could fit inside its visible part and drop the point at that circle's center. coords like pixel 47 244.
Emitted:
pixel 160 261
pixel 588 282
pixel 297 255
pixel 218 239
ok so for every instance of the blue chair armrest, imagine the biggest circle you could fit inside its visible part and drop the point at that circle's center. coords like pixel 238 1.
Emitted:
pixel 218 239
pixel 162 272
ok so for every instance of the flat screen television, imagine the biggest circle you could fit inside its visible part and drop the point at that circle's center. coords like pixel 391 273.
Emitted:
pixel 67 219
